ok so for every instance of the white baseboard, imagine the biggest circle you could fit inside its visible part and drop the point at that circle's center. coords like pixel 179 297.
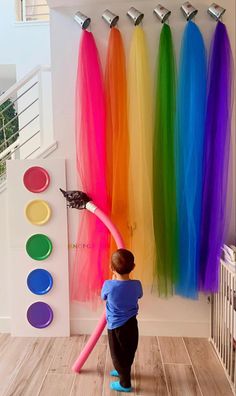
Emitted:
pixel 150 328
pixel 146 327
pixel 5 324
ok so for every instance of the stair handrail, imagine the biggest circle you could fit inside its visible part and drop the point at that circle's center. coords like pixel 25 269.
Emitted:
pixel 19 84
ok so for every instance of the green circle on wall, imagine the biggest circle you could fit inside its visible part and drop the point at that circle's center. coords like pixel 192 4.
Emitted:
pixel 39 247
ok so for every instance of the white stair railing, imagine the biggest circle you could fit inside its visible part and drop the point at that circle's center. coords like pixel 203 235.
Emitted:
pixel 26 118
pixel 223 321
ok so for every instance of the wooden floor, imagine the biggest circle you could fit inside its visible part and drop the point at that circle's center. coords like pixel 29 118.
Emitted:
pixel 163 366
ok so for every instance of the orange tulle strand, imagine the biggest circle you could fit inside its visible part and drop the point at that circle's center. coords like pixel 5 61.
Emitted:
pixel 117 136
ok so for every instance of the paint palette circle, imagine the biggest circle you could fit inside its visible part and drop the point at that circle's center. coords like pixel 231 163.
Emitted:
pixel 39 281
pixel 36 179
pixel 39 247
pixel 38 212
pixel 39 315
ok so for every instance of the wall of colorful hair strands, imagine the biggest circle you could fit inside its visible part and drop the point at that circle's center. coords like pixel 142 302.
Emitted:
pixel 117 136
pixel 189 140
pixel 216 157
pixel 153 152
pixel 91 166
pixel 164 186
pixel 141 135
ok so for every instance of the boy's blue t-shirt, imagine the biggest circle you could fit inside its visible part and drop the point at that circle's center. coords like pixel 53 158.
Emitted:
pixel 121 300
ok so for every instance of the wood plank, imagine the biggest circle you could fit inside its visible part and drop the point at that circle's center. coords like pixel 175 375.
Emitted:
pixel 56 385
pixel 102 340
pixel 107 378
pixel 4 340
pixel 173 350
pixel 12 356
pixel 90 381
pixel 209 372
pixel 34 367
pixel 149 371
pixel 3 336
pixel 41 366
pixel 67 350
pixel 181 380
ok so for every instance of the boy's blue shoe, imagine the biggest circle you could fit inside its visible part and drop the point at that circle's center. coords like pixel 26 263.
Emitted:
pixel 114 373
pixel 119 388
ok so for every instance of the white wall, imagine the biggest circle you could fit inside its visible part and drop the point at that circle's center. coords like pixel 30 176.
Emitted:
pixel 24 45
pixel 157 316
pixel 7 77
pixel 4 268
pixel 174 316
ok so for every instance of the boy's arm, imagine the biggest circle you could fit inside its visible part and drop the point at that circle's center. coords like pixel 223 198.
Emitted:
pixel 104 291
pixel 140 293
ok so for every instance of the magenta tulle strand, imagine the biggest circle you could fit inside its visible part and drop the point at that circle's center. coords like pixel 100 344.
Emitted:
pixel 90 267
pixel 216 158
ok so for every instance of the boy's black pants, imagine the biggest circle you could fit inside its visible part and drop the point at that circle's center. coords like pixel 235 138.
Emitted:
pixel 123 342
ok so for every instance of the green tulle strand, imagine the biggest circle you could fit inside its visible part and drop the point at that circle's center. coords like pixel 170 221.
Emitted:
pixel 164 196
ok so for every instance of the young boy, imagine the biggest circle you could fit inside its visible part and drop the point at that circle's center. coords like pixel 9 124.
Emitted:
pixel 121 295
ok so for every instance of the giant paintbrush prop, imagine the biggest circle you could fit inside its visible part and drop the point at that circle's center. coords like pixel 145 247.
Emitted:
pixel 80 200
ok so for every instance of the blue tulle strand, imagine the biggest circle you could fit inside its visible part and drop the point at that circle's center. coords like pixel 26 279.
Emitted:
pixel 190 125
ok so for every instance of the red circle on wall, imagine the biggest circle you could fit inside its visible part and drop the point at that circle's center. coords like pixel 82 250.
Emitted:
pixel 36 179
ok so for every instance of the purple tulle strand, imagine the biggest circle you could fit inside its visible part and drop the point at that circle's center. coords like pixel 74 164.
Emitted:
pixel 216 158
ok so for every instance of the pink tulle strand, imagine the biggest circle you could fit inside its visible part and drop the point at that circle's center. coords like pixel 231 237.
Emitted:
pixel 90 267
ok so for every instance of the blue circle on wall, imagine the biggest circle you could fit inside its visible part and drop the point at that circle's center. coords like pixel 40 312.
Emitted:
pixel 39 281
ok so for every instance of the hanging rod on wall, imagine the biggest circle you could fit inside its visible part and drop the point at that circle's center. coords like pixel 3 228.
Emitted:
pixel 188 10
pixel 135 15
pixel 82 20
pixel 110 18
pixel 216 11
pixel 162 13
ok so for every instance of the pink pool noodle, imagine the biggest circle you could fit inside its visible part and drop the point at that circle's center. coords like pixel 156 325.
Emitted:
pixel 102 322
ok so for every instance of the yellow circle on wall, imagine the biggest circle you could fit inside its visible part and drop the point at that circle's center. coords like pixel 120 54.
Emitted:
pixel 38 212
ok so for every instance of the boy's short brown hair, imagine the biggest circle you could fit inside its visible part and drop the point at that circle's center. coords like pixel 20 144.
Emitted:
pixel 122 261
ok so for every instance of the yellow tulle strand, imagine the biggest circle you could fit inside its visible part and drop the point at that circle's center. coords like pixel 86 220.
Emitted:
pixel 140 111
pixel 117 136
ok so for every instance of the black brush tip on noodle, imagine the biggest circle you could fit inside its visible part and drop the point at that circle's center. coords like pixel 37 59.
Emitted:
pixel 76 199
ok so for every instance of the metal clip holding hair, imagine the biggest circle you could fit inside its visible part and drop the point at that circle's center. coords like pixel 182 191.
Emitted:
pixel 135 15
pixel 216 11
pixel 110 18
pixel 188 10
pixel 162 13
pixel 82 20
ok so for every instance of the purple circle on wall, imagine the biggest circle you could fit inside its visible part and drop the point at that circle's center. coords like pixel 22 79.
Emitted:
pixel 39 315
